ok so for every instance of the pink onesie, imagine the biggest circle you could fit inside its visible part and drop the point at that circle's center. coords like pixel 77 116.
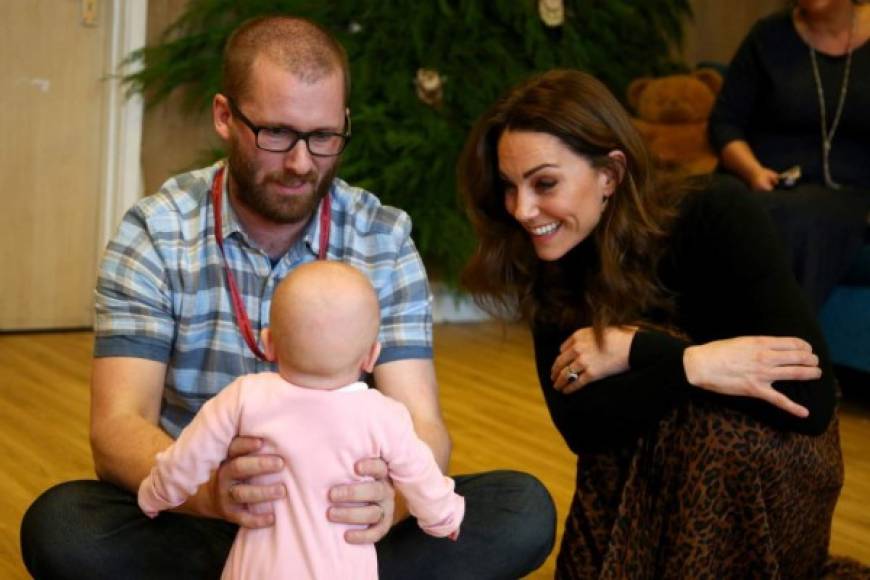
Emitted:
pixel 321 435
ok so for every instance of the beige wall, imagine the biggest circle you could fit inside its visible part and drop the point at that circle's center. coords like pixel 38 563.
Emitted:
pixel 720 25
pixel 173 140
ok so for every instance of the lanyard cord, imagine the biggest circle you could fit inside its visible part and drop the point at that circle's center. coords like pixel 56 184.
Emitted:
pixel 238 306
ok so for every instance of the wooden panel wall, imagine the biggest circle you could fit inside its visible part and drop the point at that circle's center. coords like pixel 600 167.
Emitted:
pixel 173 139
pixel 51 140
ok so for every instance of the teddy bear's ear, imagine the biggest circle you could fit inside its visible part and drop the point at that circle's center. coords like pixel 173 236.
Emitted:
pixel 709 77
pixel 635 88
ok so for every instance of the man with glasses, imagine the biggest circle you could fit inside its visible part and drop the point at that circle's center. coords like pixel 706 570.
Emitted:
pixel 184 288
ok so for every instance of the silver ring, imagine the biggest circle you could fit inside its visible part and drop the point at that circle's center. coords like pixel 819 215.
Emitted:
pixel 572 375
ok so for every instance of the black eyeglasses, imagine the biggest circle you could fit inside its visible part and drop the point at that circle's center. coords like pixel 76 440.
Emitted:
pixel 283 139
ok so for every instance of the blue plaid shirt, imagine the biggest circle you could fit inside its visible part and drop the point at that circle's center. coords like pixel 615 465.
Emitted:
pixel 161 292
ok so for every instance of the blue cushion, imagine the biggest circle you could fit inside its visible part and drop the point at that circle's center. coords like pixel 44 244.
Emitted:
pixel 845 317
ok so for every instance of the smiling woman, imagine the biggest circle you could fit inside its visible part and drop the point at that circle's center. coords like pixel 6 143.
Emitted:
pixel 560 173
pixel 555 194
pixel 675 352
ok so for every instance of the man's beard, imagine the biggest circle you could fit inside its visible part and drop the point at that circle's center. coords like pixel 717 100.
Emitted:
pixel 274 207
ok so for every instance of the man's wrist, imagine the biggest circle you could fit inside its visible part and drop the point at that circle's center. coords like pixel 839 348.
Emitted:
pixel 400 509
pixel 202 503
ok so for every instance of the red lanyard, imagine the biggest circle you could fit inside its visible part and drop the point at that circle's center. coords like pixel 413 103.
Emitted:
pixel 236 298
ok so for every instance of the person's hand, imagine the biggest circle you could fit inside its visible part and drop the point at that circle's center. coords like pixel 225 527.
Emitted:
pixel 240 502
pixel 746 366
pixel 366 503
pixel 763 179
pixel 579 354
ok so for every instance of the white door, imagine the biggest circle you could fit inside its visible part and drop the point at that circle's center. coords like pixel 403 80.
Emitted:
pixel 52 98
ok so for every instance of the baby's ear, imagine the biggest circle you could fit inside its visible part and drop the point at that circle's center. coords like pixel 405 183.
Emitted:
pixel 368 364
pixel 268 344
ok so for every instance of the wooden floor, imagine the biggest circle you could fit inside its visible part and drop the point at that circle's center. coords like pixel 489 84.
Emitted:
pixel 491 402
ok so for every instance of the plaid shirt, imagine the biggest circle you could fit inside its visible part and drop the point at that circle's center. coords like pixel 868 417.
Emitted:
pixel 161 292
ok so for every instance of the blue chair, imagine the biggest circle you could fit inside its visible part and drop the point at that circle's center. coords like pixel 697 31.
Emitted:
pixel 845 317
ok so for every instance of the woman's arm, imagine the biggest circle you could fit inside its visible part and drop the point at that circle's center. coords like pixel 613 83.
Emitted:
pixel 745 366
pixel 738 158
pixel 732 115
pixel 612 407
pixel 730 278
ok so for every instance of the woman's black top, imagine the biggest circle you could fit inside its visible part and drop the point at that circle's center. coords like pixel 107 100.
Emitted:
pixel 728 273
pixel 770 100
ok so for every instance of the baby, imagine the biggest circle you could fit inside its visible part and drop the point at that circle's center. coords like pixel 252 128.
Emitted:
pixel 316 414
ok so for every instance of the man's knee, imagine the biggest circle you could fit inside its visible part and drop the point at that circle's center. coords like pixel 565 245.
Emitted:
pixel 519 507
pixel 48 534
pixel 536 511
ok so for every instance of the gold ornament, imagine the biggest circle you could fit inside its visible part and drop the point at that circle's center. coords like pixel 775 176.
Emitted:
pixel 552 12
pixel 430 86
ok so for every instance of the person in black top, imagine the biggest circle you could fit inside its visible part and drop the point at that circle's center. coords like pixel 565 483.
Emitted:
pixel 676 353
pixel 796 95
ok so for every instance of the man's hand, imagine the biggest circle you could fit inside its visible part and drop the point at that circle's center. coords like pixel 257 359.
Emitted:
pixel 370 503
pixel 238 501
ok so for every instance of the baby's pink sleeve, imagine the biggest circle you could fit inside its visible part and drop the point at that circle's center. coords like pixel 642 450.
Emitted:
pixel 186 464
pixel 415 473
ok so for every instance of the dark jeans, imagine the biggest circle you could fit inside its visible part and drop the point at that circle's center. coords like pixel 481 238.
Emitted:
pixel 93 530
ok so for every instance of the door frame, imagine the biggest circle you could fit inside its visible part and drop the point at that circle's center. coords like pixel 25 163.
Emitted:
pixel 122 181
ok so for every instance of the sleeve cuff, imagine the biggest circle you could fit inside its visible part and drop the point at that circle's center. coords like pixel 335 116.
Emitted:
pixel 653 347
pixel 394 353
pixel 723 135
pixel 132 346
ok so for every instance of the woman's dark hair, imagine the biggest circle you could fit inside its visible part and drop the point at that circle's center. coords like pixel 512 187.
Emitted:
pixel 619 280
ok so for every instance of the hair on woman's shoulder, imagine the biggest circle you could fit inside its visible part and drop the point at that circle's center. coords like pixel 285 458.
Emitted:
pixel 619 282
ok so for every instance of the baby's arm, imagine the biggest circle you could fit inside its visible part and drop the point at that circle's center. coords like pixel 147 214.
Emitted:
pixel 415 473
pixel 185 465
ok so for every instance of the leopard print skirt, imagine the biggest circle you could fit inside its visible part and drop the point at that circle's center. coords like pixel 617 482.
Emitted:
pixel 712 494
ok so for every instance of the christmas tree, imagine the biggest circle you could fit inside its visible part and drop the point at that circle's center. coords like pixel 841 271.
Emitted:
pixel 422 72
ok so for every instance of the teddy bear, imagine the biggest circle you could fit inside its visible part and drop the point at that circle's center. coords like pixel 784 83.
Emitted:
pixel 672 114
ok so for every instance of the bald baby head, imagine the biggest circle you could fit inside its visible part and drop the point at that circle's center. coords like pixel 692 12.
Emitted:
pixel 324 324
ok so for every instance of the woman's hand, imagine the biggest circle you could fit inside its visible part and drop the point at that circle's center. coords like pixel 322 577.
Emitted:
pixel 580 356
pixel 747 366
pixel 763 179
pixel 370 503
